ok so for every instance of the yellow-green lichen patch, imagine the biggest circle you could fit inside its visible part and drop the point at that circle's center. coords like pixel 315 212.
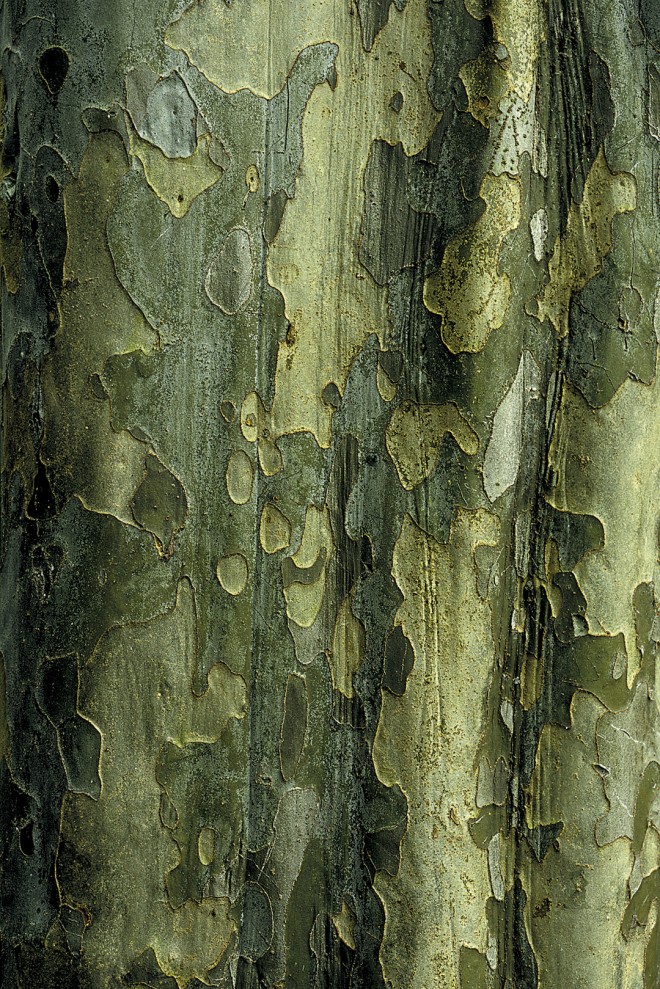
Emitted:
pixel 415 434
pixel 114 852
pixel 427 743
pixel 578 254
pixel 467 291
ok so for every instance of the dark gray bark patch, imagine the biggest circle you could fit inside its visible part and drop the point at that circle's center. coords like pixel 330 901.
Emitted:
pixel 579 107
pixel 257 928
pixel 294 725
pixel 53 68
pixel 612 336
pixel 414 206
pixel 163 111
pixel 457 38
pixel 79 741
pixel 399 659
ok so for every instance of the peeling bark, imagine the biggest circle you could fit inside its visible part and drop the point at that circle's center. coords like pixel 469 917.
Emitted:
pixel 329 495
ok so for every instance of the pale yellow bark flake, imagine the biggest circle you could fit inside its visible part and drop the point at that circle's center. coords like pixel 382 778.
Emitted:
pixel 608 465
pixel 415 434
pixel 427 742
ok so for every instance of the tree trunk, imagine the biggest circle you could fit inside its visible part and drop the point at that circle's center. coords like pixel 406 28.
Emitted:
pixel 329 497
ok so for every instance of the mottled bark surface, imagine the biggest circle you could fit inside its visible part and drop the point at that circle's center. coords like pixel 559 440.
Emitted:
pixel 330 494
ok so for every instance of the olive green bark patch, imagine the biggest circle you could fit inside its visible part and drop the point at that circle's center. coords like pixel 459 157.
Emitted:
pixel 160 504
pixel 294 725
pixel 467 291
pixel 415 433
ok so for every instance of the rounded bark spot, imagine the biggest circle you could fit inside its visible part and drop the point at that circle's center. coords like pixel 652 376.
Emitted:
pixel 252 178
pixel 240 474
pixel 274 529
pixel 232 572
pixel 206 846
pixel 228 281
pixel 53 68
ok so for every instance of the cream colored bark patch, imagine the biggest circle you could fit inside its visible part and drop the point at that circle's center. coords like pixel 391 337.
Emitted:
pixel 578 896
pixel 274 529
pixel 427 742
pixel 344 922
pixel 386 387
pixel 304 573
pixel 502 458
pixel 415 434
pixel 467 291
pixel 608 465
pixel 232 572
pixel 506 68
pixel 579 254
pixel 239 477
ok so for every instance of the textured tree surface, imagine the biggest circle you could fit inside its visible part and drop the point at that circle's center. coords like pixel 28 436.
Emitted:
pixel 330 494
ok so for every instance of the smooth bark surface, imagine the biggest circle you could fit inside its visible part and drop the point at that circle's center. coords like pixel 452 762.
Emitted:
pixel 330 494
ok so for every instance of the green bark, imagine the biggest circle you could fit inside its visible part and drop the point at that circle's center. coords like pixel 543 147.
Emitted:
pixel 329 495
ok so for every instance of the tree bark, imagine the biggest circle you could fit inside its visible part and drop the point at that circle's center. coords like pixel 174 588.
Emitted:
pixel 329 494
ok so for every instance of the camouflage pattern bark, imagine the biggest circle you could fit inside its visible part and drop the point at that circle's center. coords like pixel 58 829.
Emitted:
pixel 330 516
